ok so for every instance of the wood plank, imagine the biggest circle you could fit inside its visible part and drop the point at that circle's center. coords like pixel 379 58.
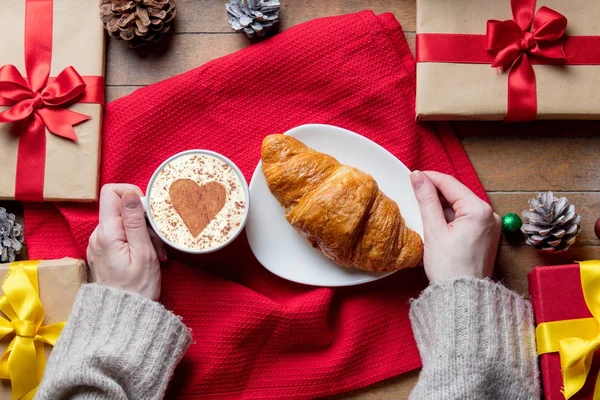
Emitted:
pixel 397 388
pixel 533 130
pixel 115 92
pixel 210 15
pixel 178 54
pixel 506 164
pixel 586 204
pixel 129 68
pixel 514 262
pixel 411 38
pixel 510 164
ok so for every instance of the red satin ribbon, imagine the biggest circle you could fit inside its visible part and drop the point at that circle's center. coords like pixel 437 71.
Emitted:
pixel 40 102
pixel 515 45
pixel 470 49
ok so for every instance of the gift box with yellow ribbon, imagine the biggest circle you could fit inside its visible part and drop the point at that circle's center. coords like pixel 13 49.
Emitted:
pixel 566 304
pixel 36 301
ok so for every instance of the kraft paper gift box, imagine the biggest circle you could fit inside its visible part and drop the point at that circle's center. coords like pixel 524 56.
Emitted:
pixel 455 77
pixel 58 284
pixel 565 307
pixel 42 156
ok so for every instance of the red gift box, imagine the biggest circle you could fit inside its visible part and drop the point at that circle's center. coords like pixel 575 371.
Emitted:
pixel 557 295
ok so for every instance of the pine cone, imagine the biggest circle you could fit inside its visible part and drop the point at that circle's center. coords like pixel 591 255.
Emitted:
pixel 253 17
pixel 11 237
pixel 551 224
pixel 137 21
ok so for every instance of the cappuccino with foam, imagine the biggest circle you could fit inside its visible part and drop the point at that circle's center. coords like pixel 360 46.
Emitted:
pixel 198 201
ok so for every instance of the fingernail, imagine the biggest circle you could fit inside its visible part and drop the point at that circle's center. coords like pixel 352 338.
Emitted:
pixel 131 200
pixel 417 180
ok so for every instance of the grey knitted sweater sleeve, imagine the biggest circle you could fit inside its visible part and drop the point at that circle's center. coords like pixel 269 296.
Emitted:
pixel 477 341
pixel 115 345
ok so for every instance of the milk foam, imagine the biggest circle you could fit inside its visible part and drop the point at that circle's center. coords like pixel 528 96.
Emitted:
pixel 201 168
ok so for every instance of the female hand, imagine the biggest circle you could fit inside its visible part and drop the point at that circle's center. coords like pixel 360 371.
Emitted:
pixel 461 231
pixel 122 251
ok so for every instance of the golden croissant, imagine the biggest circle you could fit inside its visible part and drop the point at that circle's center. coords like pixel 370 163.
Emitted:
pixel 337 208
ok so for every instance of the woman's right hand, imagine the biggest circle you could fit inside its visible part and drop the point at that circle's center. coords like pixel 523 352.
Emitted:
pixel 461 231
pixel 123 252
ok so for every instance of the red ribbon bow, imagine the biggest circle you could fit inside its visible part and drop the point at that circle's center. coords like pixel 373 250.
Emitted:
pixel 45 101
pixel 513 42
pixel 40 101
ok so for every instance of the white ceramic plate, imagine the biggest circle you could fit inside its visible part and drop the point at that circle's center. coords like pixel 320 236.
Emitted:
pixel 281 250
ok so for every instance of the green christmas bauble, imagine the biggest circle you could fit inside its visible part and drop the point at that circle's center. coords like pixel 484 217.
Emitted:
pixel 511 223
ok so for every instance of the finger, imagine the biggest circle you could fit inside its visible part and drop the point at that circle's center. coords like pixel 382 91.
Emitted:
pixel 429 202
pixel 451 188
pixel 159 246
pixel 110 199
pixel 110 219
pixel 134 221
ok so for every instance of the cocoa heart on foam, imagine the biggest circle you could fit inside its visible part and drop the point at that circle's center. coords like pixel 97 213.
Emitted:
pixel 197 205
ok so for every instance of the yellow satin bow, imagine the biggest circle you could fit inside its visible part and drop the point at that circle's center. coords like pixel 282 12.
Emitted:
pixel 24 360
pixel 576 340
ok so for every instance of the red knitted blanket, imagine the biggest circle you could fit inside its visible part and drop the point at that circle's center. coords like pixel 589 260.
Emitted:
pixel 256 335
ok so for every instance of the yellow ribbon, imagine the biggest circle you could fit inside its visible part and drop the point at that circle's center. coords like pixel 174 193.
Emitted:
pixel 24 360
pixel 576 340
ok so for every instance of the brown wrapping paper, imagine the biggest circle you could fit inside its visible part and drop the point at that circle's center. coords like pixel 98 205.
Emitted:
pixel 448 91
pixel 78 39
pixel 59 282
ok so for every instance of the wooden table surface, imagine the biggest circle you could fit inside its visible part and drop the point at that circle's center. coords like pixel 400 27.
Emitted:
pixel 512 161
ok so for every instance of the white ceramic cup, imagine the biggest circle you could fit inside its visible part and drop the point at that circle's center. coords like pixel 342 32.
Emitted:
pixel 146 201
